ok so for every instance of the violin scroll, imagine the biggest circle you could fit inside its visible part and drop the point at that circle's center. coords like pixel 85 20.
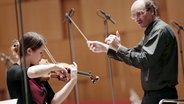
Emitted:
pixel 94 78
pixel 7 59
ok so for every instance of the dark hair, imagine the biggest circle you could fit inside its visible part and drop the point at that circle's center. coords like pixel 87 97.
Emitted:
pixel 31 40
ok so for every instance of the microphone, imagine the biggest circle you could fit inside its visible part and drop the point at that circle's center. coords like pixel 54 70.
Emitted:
pixel 69 14
pixel 180 27
pixel 107 16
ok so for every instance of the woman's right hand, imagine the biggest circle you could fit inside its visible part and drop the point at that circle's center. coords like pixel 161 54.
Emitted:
pixel 67 71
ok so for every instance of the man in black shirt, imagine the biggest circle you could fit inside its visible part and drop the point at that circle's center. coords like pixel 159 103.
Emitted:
pixel 156 54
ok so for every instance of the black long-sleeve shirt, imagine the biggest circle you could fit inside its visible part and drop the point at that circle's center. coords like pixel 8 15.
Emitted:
pixel 16 87
pixel 156 55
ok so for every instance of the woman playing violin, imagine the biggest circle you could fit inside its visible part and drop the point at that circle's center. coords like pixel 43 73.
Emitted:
pixel 38 91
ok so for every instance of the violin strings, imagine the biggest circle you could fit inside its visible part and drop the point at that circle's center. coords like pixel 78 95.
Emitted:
pixel 78 29
pixel 49 54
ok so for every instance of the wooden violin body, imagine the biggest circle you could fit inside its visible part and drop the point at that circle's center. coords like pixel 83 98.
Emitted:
pixel 59 75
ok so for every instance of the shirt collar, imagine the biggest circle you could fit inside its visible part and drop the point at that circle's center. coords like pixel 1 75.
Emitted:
pixel 151 25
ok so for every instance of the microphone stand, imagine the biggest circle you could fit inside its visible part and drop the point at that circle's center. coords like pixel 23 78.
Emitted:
pixel 181 50
pixel 72 53
pixel 18 9
pixel 107 17
pixel 180 44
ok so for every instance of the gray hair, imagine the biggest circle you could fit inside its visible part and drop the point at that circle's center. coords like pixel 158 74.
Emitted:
pixel 150 4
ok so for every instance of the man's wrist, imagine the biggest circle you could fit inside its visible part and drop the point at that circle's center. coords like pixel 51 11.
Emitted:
pixel 122 48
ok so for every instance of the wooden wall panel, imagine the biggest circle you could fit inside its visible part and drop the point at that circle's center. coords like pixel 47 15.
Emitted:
pixel 46 17
pixel 175 13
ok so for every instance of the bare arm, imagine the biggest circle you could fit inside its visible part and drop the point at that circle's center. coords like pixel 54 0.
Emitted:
pixel 41 70
pixel 61 95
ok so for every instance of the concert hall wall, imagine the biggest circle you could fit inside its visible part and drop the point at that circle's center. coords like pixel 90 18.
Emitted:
pixel 47 17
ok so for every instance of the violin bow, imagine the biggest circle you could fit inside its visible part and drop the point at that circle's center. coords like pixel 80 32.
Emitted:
pixel 92 77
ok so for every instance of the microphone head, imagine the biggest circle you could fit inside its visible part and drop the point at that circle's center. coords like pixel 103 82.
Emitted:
pixel 100 10
pixel 71 12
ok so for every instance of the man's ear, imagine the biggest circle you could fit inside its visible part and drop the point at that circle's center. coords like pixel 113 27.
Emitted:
pixel 29 51
pixel 153 11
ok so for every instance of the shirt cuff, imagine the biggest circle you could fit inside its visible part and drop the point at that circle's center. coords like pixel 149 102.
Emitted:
pixel 122 49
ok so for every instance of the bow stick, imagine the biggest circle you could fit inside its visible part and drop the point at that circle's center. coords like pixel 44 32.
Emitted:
pixel 68 16
pixel 92 77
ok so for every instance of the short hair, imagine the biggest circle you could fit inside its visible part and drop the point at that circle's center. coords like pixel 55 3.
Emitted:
pixel 151 4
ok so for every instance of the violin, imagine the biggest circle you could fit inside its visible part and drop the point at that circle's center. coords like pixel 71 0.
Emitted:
pixel 7 59
pixel 92 77
pixel 59 75
pixel 54 74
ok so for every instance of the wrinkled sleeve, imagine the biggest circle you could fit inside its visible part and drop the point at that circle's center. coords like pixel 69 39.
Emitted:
pixel 149 54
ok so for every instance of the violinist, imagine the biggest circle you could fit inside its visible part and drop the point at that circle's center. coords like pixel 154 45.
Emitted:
pixel 39 91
